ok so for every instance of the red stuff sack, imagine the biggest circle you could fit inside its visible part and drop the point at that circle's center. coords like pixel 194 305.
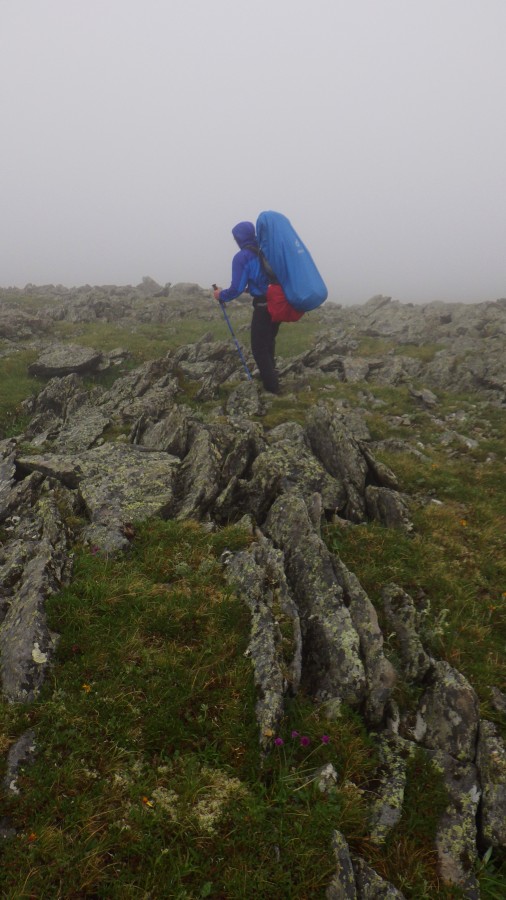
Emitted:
pixel 280 310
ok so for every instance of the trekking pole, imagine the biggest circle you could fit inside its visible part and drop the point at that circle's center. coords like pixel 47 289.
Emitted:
pixel 227 320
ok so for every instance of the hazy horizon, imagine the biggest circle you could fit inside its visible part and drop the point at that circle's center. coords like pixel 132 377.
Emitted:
pixel 136 134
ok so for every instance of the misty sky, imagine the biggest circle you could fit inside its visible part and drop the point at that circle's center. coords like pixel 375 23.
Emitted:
pixel 136 133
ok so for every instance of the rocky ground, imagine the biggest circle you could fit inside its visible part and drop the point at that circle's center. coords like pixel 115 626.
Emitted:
pixel 111 457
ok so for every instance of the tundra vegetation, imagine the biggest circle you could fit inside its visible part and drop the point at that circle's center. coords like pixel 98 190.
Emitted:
pixel 157 772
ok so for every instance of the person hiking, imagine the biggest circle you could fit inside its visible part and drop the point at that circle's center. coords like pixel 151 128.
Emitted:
pixel 248 274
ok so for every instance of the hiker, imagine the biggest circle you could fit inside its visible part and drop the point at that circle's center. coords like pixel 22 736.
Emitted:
pixel 249 275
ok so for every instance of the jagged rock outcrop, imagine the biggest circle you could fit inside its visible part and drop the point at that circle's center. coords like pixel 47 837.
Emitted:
pixel 332 666
pixel 103 459
pixel 275 644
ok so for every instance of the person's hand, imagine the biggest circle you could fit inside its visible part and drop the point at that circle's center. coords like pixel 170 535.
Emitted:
pixel 217 292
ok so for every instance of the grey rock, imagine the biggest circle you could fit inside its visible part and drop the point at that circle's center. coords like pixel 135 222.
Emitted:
pixel 275 645
pixel 491 763
pixel 388 507
pixel 245 400
pixel 20 755
pixel 448 714
pixel 26 643
pixel 117 485
pixel 427 398
pixel 63 359
pixel 285 465
pixel 81 431
pixel 342 886
pixel 341 455
pixel 380 674
pixel 332 666
pixel 388 806
pixel 172 434
pixel 498 700
pixel 198 480
pixel 402 616
pixel 370 885
pixel 457 832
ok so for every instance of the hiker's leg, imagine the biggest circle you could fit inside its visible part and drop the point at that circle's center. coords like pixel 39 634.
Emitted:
pixel 263 337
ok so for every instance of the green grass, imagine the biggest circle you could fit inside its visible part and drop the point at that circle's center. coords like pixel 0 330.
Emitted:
pixel 15 386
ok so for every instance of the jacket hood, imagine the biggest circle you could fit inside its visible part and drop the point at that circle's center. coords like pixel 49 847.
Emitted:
pixel 244 234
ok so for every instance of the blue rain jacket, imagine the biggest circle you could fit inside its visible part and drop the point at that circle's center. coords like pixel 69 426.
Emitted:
pixel 247 270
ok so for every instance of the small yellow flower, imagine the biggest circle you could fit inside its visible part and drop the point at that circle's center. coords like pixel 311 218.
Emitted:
pixel 148 802
pixel 86 688
pixel 463 522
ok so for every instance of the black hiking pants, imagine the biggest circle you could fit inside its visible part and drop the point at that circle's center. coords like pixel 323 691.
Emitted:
pixel 263 344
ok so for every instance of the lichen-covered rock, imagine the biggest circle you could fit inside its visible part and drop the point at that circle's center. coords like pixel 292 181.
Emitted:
pixel 148 391
pixel 388 507
pixel 41 543
pixel 332 666
pixel 342 886
pixel 55 396
pixel 275 646
pixel 198 481
pixel 245 400
pixel 498 699
pixel 173 433
pixel 491 763
pixel 448 714
pixel 457 832
pixel 287 465
pixel 402 617
pixel 82 431
pixel 370 885
pixel 21 754
pixel 388 806
pixel 7 473
pixel 380 673
pixel 116 483
pixel 63 359
pixel 208 361
pixel 341 455
pixel 120 484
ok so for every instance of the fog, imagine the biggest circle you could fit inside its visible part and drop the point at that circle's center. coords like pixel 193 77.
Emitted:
pixel 136 133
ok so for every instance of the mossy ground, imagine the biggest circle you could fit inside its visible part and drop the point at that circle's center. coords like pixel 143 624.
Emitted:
pixel 148 780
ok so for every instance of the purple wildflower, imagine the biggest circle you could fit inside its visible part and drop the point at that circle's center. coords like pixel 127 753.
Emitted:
pixel 295 734
pixel 325 739
pixel 305 741
pixel 279 742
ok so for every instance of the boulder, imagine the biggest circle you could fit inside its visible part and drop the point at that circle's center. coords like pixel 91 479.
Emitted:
pixel 64 359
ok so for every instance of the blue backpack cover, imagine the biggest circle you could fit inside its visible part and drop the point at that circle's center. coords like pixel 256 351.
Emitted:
pixel 291 261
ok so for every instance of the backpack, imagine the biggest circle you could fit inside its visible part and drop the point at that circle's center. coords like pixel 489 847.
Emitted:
pixel 296 285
